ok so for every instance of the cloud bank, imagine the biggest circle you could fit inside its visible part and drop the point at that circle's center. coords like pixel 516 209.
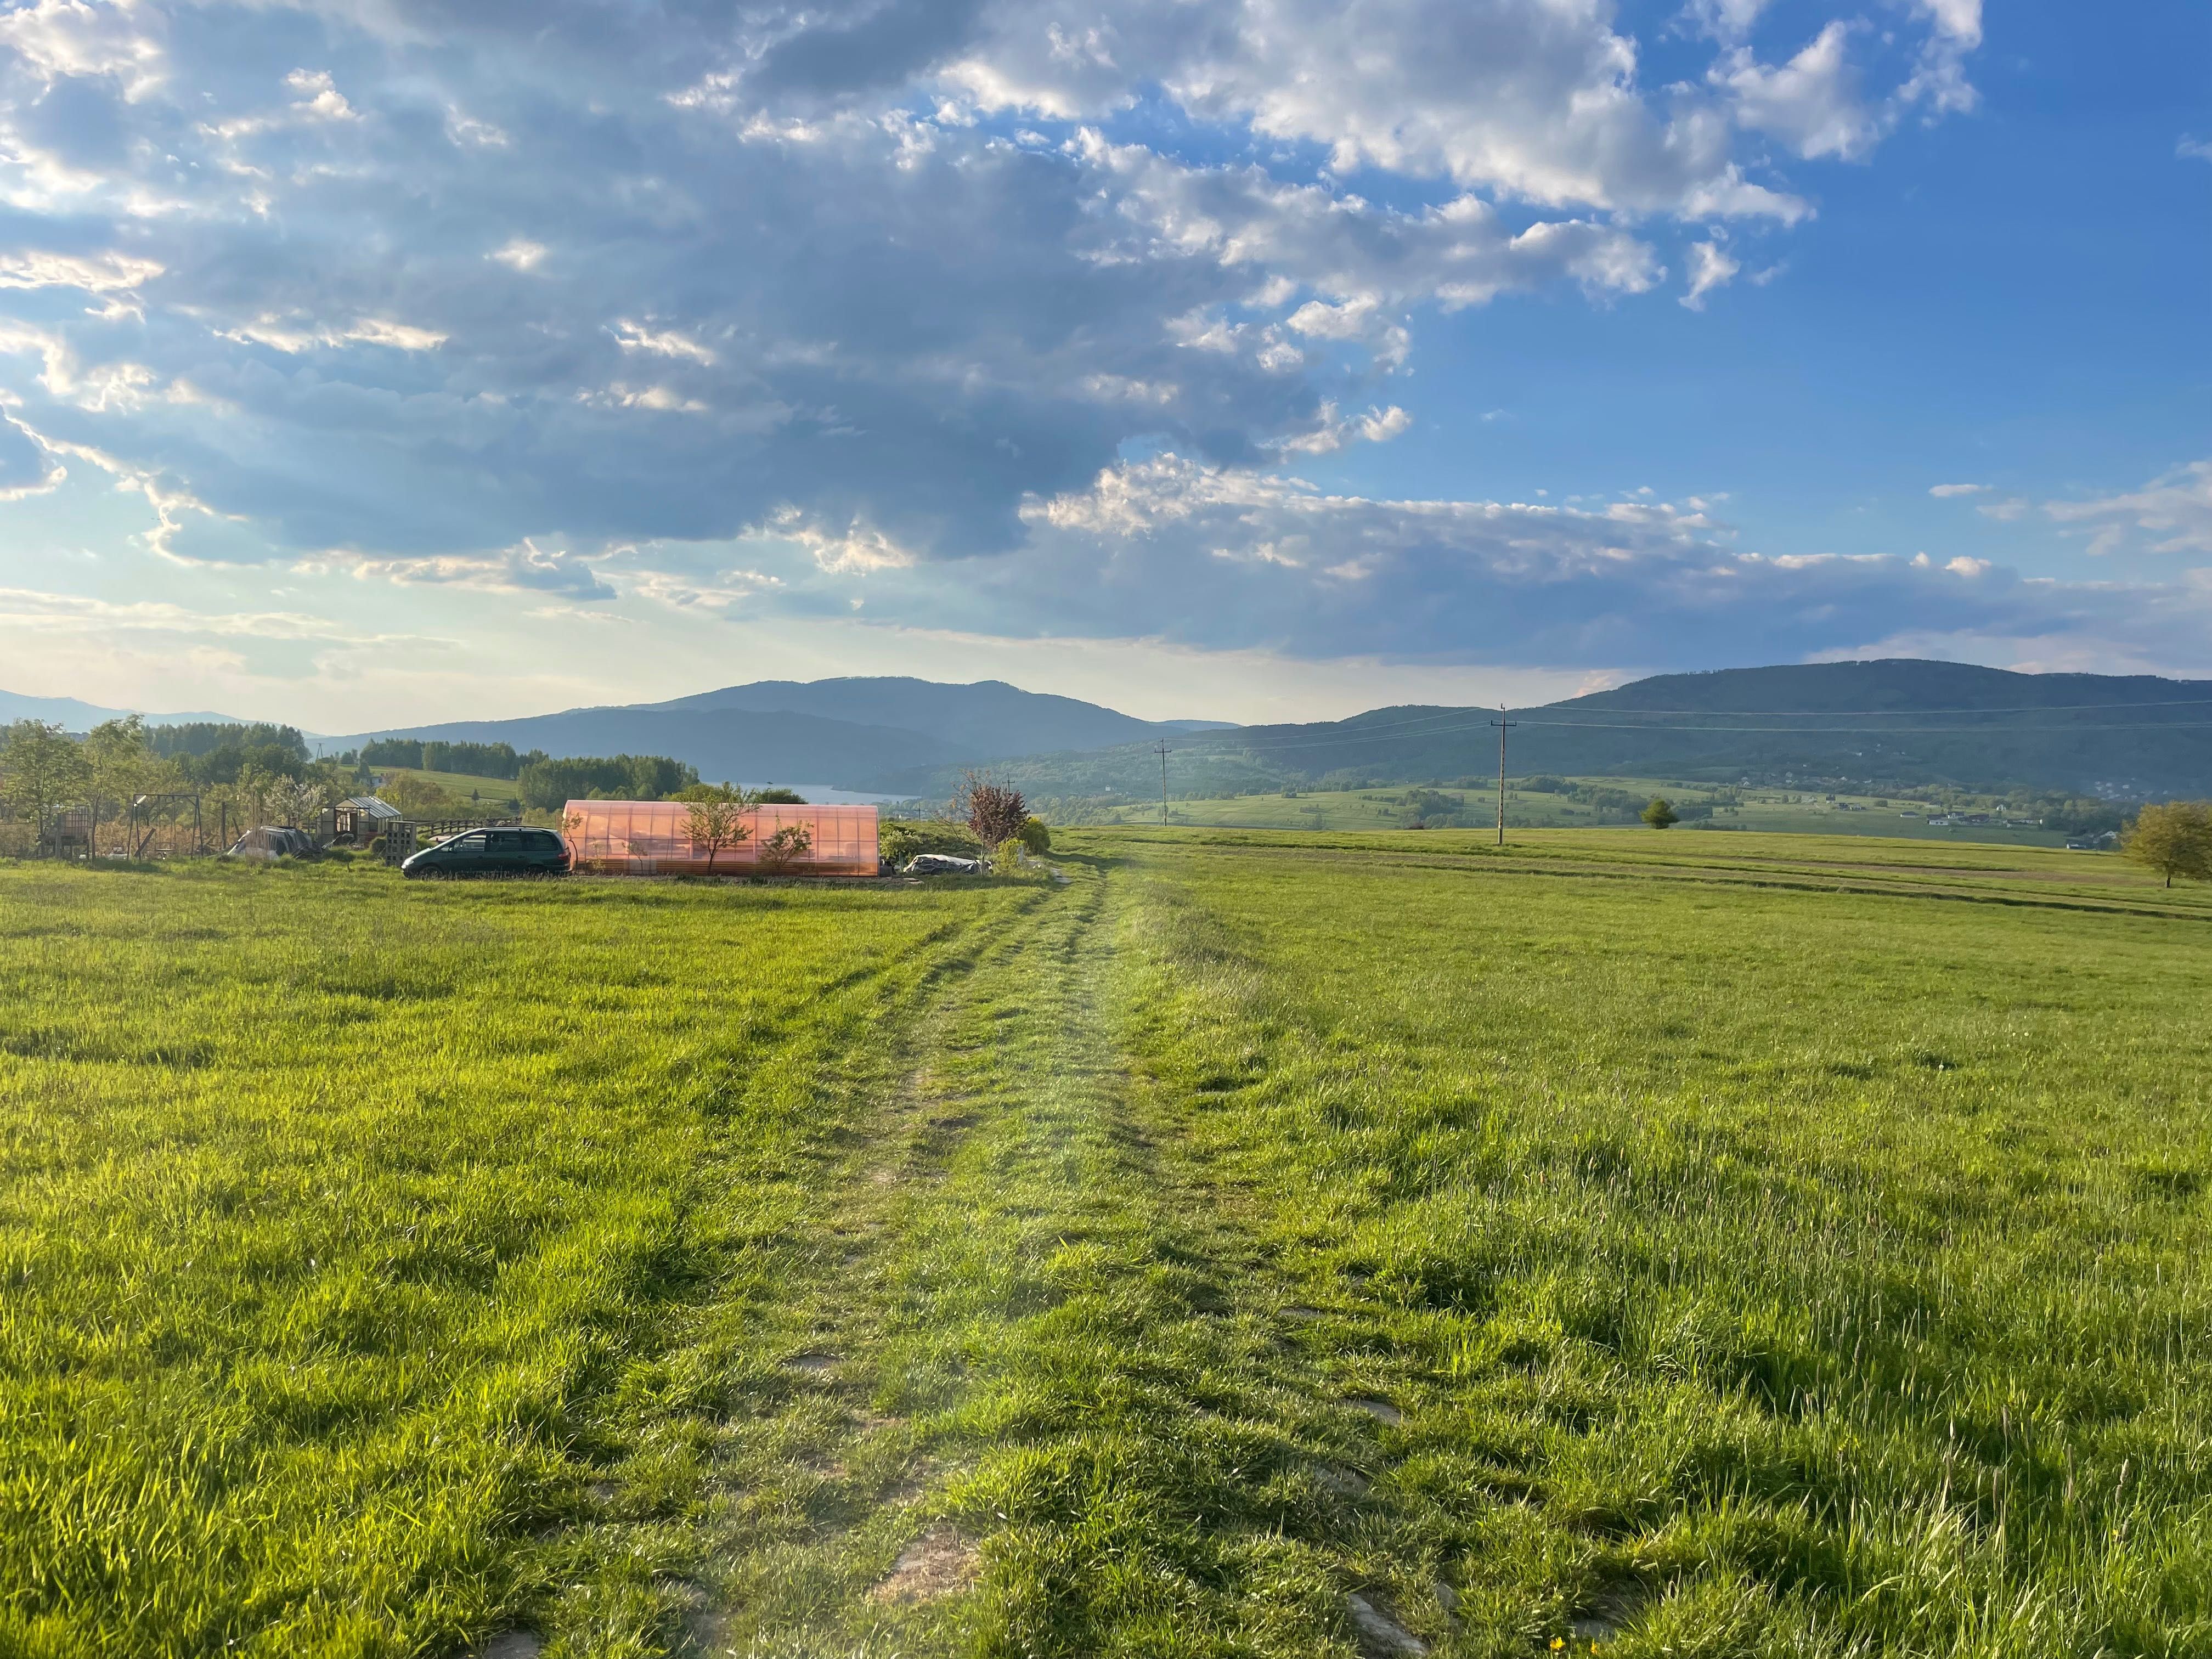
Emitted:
pixel 1009 317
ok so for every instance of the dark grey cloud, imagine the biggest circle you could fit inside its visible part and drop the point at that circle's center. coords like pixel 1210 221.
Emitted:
pixel 430 289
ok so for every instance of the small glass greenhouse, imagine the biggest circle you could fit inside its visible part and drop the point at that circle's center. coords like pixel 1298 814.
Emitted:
pixel 654 838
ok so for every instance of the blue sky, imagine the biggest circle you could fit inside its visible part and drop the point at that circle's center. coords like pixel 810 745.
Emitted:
pixel 373 362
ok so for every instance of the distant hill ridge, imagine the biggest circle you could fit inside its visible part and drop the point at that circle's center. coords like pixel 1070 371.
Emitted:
pixel 1897 684
pixel 1902 720
pixel 1899 720
pixel 854 732
pixel 80 716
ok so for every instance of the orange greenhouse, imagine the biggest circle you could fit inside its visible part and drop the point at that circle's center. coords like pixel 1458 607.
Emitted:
pixel 654 838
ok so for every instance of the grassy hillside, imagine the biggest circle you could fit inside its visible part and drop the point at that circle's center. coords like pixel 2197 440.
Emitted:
pixel 1252 1243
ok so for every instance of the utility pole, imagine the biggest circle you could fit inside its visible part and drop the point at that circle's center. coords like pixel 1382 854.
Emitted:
pixel 1501 723
pixel 1164 751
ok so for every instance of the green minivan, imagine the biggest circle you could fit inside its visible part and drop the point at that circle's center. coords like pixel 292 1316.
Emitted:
pixel 492 853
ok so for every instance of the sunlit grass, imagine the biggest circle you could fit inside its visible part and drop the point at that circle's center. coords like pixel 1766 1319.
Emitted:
pixel 1699 1246
pixel 341 1225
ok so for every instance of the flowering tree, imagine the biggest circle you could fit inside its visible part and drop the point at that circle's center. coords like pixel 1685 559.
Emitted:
pixel 993 809
pixel 296 801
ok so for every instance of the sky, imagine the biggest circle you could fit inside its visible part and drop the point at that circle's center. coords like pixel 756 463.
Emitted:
pixel 375 362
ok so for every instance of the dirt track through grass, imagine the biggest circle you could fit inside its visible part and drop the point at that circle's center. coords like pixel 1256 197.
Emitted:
pixel 1054 1400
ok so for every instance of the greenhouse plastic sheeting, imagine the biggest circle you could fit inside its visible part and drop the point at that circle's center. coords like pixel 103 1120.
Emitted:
pixel 653 838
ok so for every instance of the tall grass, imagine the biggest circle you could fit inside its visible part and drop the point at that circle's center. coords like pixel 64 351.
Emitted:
pixel 345 1228
pixel 1756 1271
pixel 1787 1250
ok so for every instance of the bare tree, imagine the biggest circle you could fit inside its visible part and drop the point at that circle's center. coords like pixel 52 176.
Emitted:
pixel 718 823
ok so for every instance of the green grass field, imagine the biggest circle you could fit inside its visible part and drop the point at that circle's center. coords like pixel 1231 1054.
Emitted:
pixel 491 794
pixel 1250 1244
pixel 1765 810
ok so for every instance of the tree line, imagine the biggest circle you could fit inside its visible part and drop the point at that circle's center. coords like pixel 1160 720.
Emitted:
pixel 52 779
pixel 249 774
pixel 482 760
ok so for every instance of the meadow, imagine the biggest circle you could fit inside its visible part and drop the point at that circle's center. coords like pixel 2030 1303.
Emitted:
pixel 1770 812
pixel 1247 1243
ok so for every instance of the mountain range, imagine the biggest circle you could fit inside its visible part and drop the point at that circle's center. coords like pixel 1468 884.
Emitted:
pixel 1899 720
pixel 1904 721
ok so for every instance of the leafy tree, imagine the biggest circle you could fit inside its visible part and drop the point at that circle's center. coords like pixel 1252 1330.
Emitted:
pixel 482 760
pixel 1659 814
pixel 393 751
pixel 2174 839
pixel 718 823
pixel 227 762
pixel 993 809
pixel 736 793
pixel 1035 836
pixel 415 795
pixel 196 738
pixel 42 769
pixel 551 784
pixel 120 766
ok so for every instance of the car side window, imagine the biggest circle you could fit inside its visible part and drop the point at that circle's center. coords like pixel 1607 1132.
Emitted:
pixel 474 841
pixel 544 841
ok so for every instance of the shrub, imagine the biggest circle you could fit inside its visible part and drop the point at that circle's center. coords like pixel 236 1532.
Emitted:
pixel 1035 836
pixel 785 847
pixel 1659 814
pixel 1006 857
pixel 899 840
pixel 994 810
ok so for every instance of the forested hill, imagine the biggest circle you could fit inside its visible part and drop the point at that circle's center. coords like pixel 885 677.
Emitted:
pixel 851 733
pixel 1891 686
pixel 1901 720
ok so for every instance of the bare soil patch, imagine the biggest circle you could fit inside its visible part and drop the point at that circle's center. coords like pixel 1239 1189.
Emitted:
pixel 942 1562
